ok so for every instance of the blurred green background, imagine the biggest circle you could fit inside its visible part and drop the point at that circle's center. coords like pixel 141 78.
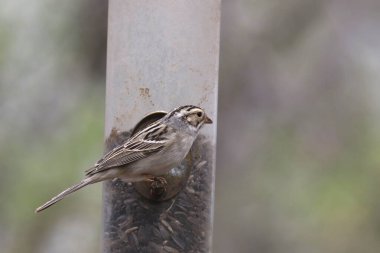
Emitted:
pixel 298 140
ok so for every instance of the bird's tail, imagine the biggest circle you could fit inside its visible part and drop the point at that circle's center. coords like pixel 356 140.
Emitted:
pixel 83 183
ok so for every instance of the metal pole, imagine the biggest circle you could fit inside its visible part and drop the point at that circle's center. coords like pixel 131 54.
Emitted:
pixel 161 54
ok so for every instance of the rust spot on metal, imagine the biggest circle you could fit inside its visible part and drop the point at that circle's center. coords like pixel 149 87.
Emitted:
pixel 114 134
pixel 207 92
pixel 144 93
pixel 196 71
pixel 127 89
pixel 112 138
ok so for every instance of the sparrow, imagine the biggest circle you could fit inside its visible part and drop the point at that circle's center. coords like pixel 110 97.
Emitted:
pixel 147 154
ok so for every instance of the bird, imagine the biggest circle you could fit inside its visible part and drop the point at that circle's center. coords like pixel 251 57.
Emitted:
pixel 149 153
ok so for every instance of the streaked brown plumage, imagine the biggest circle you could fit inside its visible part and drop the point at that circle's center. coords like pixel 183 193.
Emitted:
pixel 151 152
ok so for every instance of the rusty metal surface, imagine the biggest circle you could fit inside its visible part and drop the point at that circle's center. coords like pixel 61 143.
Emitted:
pixel 161 54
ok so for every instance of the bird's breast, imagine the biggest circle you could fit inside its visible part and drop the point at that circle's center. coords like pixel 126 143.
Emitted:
pixel 169 157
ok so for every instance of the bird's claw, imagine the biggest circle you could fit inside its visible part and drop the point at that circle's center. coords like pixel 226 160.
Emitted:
pixel 158 186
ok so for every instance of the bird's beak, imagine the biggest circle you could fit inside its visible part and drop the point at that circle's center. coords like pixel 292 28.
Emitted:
pixel 208 120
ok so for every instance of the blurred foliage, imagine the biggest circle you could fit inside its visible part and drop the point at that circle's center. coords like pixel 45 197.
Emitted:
pixel 37 170
pixel 301 173
pixel 51 113
pixel 299 76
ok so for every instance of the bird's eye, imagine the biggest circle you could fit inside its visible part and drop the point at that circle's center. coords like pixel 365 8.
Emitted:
pixel 199 114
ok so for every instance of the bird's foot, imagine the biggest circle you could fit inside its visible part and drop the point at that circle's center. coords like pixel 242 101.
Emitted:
pixel 158 186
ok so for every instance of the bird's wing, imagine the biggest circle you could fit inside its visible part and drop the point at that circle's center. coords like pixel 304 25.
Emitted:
pixel 136 148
